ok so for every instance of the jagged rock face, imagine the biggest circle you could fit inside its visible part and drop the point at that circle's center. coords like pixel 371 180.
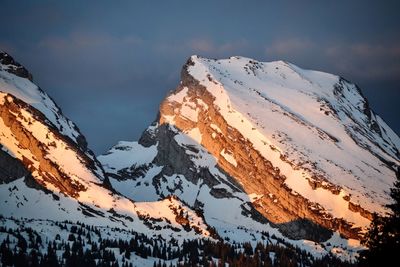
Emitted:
pixel 35 133
pixel 10 168
pixel 14 67
pixel 18 117
pixel 17 81
pixel 304 146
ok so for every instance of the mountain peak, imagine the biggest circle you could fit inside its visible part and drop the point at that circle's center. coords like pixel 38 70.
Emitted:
pixel 308 94
pixel 285 82
pixel 9 64
pixel 17 82
pixel 35 132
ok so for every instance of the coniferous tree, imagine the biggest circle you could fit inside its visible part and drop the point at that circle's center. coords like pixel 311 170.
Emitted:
pixel 34 259
pixel 6 254
pixel 383 236
pixel 21 260
pixel 127 254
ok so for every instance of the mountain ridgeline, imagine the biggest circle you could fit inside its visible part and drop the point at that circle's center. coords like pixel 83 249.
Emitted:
pixel 242 154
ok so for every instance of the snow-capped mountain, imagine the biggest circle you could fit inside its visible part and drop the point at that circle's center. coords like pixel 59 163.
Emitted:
pixel 241 151
pixel 264 147
pixel 48 173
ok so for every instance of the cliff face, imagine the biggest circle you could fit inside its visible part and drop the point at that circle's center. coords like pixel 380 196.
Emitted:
pixel 38 159
pixel 255 174
pixel 35 132
pixel 284 147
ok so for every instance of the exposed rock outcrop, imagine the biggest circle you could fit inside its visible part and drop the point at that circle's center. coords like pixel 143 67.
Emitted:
pixel 14 67
pixel 10 168
pixel 11 114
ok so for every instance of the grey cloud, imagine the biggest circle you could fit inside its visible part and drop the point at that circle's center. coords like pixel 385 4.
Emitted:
pixel 367 61
pixel 360 61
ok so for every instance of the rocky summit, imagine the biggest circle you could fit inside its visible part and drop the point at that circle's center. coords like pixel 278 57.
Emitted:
pixel 242 154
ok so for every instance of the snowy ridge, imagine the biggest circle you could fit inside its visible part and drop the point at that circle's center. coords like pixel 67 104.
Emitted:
pixel 57 150
pixel 25 90
pixel 34 128
pixel 318 121
pixel 123 156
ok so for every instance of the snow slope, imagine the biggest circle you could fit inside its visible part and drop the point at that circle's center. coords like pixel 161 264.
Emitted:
pixel 318 121
pixel 100 208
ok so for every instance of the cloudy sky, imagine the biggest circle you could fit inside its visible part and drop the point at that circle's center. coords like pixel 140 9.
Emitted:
pixel 108 65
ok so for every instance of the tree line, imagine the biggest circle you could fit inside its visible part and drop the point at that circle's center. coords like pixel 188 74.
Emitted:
pixel 82 249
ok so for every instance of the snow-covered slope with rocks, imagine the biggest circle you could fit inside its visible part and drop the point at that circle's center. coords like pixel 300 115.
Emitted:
pixel 319 123
pixel 260 146
pixel 48 173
